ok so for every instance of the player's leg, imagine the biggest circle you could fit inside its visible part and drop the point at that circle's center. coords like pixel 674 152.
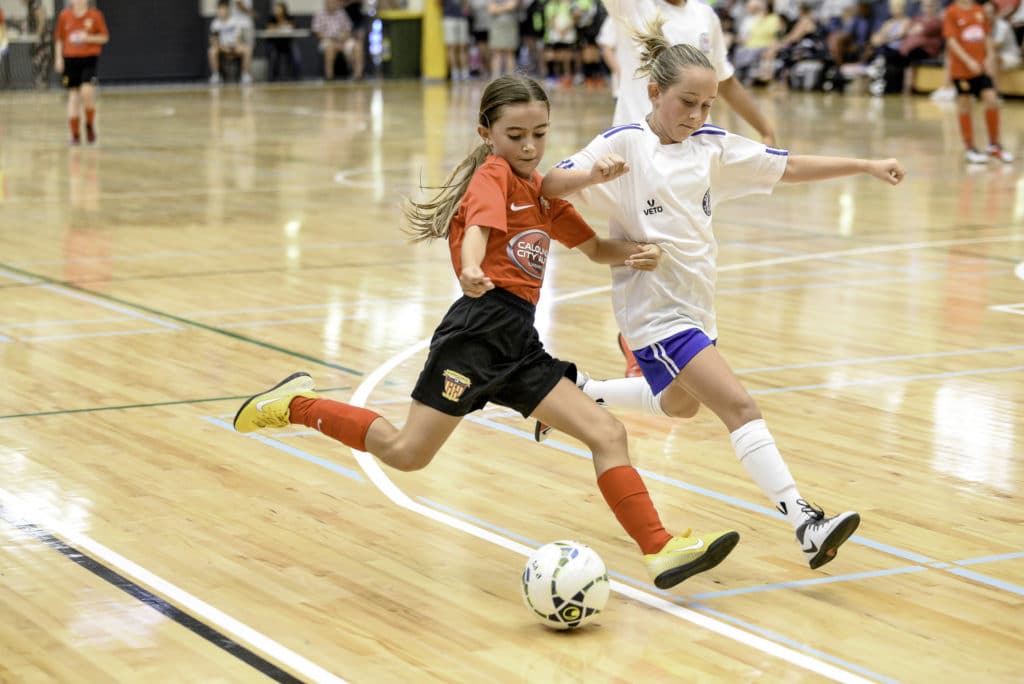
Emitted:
pixel 88 91
pixel 964 102
pixel 990 103
pixel 669 560
pixel 74 112
pixel 213 55
pixel 294 401
pixel 708 378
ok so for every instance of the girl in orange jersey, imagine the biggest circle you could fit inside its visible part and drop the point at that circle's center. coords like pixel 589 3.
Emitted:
pixel 80 36
pixel 486 349
pixel 971 54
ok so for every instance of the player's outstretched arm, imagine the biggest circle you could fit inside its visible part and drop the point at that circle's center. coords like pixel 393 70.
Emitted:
pixel 561 182
pixel 639 255
pixel 804 168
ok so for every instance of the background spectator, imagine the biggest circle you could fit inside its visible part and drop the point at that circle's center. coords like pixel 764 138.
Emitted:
pixel 333 29
pixel 227 41
pixel 283 50
pixel 456 37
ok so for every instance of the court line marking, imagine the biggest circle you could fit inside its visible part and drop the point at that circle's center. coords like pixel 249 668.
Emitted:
pixel 47 324
pixel 119 582
pixel 77 336
pixel 173 593
pixel 771 635
pixel 289 449
pixel 377 476
pixel 991 559
pixel 1009 308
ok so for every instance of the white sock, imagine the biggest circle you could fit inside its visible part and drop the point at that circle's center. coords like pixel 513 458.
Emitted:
pixel 633 394
pixel 756 450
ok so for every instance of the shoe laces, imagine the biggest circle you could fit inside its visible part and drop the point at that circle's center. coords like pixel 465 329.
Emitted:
pixel 815 514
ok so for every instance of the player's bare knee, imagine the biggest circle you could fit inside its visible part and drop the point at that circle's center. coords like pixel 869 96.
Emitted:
pixel 676 407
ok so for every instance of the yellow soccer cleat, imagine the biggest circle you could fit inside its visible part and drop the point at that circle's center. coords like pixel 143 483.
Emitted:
pixel 270 408
pixel 685 556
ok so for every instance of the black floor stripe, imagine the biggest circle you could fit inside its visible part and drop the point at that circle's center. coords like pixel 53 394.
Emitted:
pixel 201 629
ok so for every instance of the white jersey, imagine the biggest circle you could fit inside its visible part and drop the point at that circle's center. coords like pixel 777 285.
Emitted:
pixel 693 23
pixel 667 198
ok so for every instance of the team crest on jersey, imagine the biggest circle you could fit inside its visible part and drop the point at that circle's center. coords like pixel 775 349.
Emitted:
pixel 705 43
pixel 529 252
pixel 706 204
pixel 455 385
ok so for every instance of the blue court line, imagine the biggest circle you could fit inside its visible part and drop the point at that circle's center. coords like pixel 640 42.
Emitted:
pixel 990 581
pixel 991 559
pixel 786 641
pixel 809 582
pixel 778 638
pixel 740 503
pixel 341 470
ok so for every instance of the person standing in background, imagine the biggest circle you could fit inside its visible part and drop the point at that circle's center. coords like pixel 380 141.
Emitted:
pixel 80 36
pixel 37 25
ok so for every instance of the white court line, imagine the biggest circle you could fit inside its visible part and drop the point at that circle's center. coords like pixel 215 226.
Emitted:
pixel 77 336
pixel 881 359
pixel 44 324
pixel 171 592
pixel 1009 308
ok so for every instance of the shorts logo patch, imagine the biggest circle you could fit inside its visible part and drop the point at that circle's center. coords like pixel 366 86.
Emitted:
pixel 455 385
pixel 529 252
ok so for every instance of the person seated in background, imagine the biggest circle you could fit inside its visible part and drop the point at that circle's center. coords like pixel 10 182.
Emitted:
pixel 357 15
pixel 849 34
pixel 886 64
pixel 923 42
pixel 758 36
pixel 333 29
pixel 283 50
pixel 1007 49
pixel 227 40
pixel 804 42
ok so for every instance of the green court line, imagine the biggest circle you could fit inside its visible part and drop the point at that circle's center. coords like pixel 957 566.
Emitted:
pixel 186 321
pixel 93 409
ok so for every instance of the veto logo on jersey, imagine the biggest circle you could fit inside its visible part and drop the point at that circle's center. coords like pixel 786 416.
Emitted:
pixel 653 208
pixel 529 252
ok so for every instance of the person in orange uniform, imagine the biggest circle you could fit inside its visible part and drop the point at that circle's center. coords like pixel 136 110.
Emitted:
pixel 80 36
pixel 971 55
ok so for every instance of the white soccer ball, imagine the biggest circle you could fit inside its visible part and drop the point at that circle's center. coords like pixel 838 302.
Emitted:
pixel 565 584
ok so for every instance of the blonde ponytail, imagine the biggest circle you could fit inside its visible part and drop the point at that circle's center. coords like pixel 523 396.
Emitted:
pixel 662 61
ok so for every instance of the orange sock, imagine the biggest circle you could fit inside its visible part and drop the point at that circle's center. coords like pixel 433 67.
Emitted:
pixel 343 422
pixel 73 123
pixel 90 115
pixel 628 498
pixel 992 123
pixel 967 131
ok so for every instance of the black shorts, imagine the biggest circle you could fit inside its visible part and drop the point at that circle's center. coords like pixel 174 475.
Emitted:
pixel 356 16
pixel 79 70
pixel 487 350
pixel 973 86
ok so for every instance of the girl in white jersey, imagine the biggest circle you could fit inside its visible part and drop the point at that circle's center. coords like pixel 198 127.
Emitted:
pixel 679 170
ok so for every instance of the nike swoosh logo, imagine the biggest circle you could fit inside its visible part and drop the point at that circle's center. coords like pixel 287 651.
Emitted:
pixel 261 404
pixel 516 207
pixel 693 547
pixel 318 422
pixel 781 508
pixel 813 549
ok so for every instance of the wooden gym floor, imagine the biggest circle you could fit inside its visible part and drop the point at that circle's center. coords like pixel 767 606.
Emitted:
pixel 216 241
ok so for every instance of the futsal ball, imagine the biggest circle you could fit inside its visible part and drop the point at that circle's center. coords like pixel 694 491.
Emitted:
pixel 565 584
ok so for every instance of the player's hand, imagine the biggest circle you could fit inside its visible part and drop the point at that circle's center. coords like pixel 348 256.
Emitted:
pixel 646 257
pixel 888 170
pixel 474 283
pixel 608 168
pixel 973 66
pixel 78 36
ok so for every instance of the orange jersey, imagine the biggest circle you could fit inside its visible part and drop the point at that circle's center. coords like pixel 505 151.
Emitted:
pixel 970 28
pixel 522 225
pixel 71 28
